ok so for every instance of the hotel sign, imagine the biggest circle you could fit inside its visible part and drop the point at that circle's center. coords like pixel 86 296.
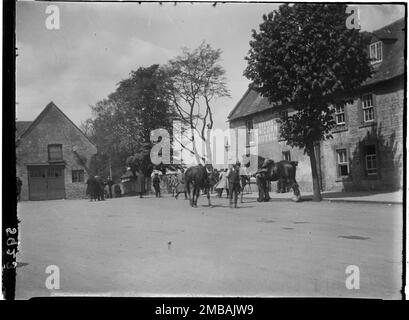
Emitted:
pixel 268 131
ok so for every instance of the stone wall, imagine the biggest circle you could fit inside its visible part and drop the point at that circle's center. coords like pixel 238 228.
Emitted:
pixel 54 128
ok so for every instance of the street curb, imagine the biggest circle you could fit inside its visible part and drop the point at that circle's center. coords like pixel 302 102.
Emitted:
pixel 363 201
pixel 338 200
pixel 344 201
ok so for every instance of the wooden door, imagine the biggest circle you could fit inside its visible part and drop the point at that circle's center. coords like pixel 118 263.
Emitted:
pixel 46 182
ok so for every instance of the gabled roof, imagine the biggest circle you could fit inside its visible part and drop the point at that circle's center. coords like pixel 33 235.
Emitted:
pixel 393 65
pixel 250 103
pixel 26 129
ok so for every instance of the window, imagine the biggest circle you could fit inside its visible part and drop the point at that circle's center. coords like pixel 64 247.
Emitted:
pixel 54 152
pixel 287 155
pixel 54 172
pixel 37 172
pixel 340 114
pixel 368 108
pixel 249 132
pixel 284 114
pixel 342 163
pixel 370 160
pixel 375 52
pixel 77 175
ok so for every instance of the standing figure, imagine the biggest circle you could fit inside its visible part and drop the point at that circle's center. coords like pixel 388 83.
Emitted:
pixel 99 188
pixel 92 188
pixel 181 186
pixel 156 185
pixel 234 184
pixel 117 191
pixel 222 184
pixel 110 183
pixel 19 183
pixel 140 184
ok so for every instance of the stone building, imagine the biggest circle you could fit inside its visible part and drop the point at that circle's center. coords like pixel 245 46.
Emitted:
pixel 366 152
pixel 52 156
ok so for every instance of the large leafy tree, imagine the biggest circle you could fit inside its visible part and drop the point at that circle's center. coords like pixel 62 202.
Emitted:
pixel 142 106
pixel 303 57
pixel 122 123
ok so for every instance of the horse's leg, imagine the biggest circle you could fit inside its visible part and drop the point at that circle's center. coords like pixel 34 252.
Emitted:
pixel 197 196
pixel 188 192
pixel 259 187
pixel 208 197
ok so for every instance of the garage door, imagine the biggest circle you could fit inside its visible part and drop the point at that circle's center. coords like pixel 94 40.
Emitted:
pixel 46 182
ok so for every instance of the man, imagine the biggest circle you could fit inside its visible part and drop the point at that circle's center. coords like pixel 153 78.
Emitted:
pixel 156 185
pixel 140 184
pixel 180 186
pixel 92 188
pixel 110 183
pixel 100 188
pixel 234 184
pixel 222 184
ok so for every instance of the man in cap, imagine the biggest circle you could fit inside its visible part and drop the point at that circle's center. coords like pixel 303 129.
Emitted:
pixel 234 184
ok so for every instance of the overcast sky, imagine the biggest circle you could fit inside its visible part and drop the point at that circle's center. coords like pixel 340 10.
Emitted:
pixel 98 44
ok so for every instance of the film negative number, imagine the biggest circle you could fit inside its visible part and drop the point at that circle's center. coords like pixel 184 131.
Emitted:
pixel 11 231
pixel 12 253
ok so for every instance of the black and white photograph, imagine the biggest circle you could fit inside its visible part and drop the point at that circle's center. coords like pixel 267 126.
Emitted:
pixel 208 149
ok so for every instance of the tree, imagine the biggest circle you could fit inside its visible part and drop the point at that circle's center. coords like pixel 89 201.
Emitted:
pixel 142 106
pixel 304 58
pixel 122 123
pixel 196 79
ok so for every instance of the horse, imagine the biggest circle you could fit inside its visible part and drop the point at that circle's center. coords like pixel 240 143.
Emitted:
pixel 272 171
pixel 198 178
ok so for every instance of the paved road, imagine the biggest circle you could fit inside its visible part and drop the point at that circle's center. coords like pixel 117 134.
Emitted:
pixel 140 247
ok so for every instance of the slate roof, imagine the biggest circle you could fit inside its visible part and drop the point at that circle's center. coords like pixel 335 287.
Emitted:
pixel 393 65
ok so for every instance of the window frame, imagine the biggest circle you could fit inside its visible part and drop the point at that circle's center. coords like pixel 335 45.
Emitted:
pixel 374 161
pixel 249 134
pixel 283 114
pixel 368 108
pixel 76 171
pixel 378 50
pixel 61 152
pixel 343 112
pixel 345 163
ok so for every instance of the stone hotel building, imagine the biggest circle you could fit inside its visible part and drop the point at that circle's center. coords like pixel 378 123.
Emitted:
pixel 366 152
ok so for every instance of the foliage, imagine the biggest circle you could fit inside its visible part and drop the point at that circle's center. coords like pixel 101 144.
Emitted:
pixel 305 58
pixel 123 122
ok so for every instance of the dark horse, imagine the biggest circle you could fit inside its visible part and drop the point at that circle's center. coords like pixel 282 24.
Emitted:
pixel 198 178
pixel 272 171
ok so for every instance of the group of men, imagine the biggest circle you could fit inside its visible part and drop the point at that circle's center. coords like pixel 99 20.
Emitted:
pixel 96 187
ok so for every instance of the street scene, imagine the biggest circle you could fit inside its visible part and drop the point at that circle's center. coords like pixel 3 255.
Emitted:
pixel 135 247
pixel 259 154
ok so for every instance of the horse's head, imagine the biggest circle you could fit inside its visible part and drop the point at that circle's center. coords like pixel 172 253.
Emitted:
pixel 268 163
pixel 209 167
